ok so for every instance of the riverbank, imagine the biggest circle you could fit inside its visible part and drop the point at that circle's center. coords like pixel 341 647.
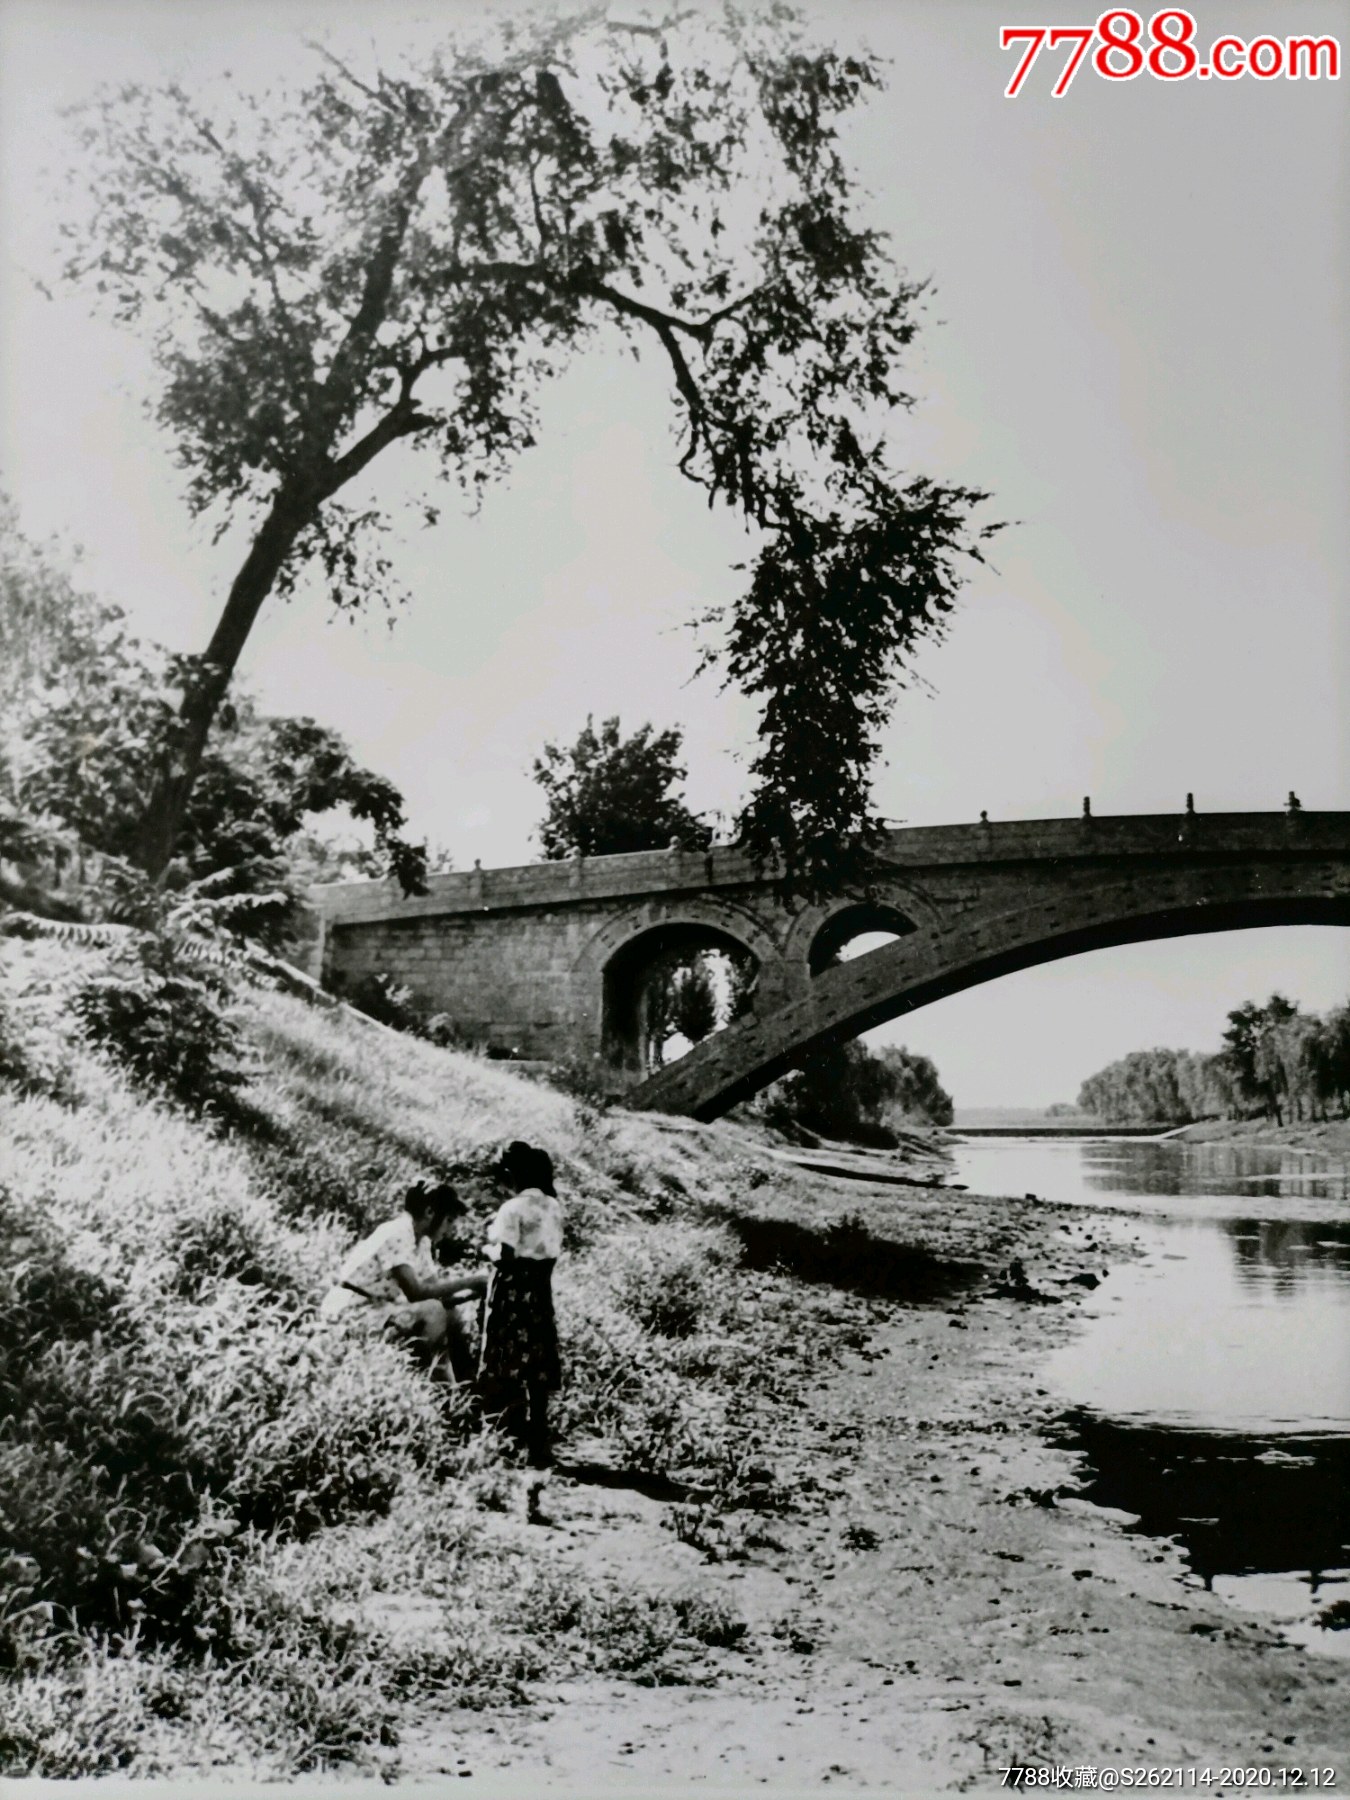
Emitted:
pixel 808 1530
pixel 1332 1136
pixel 944 1606
pixel 1329 1135
pixel 933 1605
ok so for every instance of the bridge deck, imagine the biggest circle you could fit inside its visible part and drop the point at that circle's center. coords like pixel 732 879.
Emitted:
pixel 581 879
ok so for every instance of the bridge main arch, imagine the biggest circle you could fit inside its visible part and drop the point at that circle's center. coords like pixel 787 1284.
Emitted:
pixel 931 964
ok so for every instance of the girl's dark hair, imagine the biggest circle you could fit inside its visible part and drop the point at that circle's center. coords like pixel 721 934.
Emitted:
pixel 523 1165
pixel 437 1199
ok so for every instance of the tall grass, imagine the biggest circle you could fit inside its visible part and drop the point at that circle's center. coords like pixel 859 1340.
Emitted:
pixel 215 1511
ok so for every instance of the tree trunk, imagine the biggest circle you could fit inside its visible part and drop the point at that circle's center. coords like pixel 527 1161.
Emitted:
pixel 164 815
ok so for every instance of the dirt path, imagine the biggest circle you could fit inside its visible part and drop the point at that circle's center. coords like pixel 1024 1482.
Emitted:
pixel 941 1615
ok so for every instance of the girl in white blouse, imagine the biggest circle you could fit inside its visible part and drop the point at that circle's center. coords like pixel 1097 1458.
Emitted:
pixel 518 1364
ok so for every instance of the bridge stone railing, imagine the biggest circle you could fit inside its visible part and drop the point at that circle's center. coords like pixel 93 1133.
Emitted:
pixel 599 878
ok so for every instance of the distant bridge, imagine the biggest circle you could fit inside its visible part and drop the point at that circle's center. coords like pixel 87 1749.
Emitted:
pixel 549 960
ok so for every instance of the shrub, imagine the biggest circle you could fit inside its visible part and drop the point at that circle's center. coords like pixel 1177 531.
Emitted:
pixel 163 1019
pixel 672 1286
pixel 708 1619
pixel 143 1430
pixel 588 1079
pixel 90 1533
pixel 391 1003
pixel 13 1061
pixel 848 1091
pixel 383 999
pixel 34 1056
pixel 644 1635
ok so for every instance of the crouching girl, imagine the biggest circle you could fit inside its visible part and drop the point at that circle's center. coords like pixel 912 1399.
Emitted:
pixel 390 1282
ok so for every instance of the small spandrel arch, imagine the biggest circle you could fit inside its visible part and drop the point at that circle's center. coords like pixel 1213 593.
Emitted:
pixel 865 918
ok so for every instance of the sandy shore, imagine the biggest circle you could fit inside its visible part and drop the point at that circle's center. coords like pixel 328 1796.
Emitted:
pixel 1329 1135
pixel 947 1609
pixel 941 1606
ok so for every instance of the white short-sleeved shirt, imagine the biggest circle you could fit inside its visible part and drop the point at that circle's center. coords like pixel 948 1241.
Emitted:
pixel 370 1265
pixel 532 1224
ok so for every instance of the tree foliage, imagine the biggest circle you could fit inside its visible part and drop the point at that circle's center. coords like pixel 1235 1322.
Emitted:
pixel 693 1004
pixel 849 1091
pixel 90 713
pixel 687 994
pixel 164 1018
pixel 1154 1086
pixel 404 254
pixel 916 1090
pixel 1276 1062
pixel 54 637
pixel 607 794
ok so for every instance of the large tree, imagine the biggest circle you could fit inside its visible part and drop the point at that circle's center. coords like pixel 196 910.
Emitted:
pixel 607 794
pixel 86 714
pixel 404 254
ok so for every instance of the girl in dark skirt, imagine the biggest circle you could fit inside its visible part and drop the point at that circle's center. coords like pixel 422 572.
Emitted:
pixel 518 1365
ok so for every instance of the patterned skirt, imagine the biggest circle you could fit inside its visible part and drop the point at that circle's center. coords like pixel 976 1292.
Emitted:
pixel 520 1334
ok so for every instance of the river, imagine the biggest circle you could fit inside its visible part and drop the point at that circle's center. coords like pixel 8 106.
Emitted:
pixel 1209 1393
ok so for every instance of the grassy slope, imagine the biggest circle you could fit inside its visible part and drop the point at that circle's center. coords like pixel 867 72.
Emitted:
pixel 232 1537
pixel 208 1502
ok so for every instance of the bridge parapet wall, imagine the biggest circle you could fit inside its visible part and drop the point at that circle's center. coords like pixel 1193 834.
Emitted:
pixel 607 878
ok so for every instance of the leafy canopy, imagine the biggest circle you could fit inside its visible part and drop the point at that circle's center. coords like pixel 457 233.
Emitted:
pixel 607 794
pixel 850 1091
pixel 406 253
pixel 87 712
pixel 1275 1060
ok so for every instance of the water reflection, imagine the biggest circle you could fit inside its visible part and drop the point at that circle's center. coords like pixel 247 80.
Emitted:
pixel 1275 1255
pixel 1140 1166
pixel 1221 1325
pixel 1236 1505
pixel 1209 1391
pixel 1142 1174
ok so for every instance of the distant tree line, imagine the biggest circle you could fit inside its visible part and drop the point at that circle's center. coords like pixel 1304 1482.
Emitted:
pixel 1276 1062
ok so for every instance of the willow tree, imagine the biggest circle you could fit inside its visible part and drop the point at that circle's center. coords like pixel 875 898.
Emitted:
pixel 405 254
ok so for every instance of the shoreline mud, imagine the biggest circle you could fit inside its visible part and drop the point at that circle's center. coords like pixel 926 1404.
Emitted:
pixel 936 1602
pixel 1328 1136
pixel 947 1608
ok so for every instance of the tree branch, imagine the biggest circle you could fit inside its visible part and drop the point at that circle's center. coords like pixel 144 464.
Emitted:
pixel 700 329
pixel 665 326
pixel 260 236
pixel 400 421
pixel 342 69
pixel 338 389
pixel 268 259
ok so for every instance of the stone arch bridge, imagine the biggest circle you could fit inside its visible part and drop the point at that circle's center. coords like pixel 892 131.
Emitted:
pixel 548 960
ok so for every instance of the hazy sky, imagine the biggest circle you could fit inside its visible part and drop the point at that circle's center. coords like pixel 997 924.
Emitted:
pixel 1136 338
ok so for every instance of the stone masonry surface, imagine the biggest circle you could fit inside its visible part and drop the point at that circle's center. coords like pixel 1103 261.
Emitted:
pixel 539 961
